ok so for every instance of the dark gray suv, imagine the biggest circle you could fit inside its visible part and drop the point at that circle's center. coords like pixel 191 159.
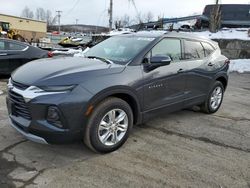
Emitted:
pixel 123 81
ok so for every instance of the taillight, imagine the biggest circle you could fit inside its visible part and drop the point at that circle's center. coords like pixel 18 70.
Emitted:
pixel 50 54
pixel 227 61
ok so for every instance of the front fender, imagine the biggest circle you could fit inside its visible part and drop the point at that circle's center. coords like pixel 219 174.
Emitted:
pixel 120 91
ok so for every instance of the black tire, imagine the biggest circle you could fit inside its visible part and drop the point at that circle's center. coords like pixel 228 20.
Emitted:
pixel 206 107
pixel 91 137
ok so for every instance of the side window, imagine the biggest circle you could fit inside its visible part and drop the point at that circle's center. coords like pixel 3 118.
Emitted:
pixel 170 47
pixel 208 48
pixel 14 46
pixel 193 50
pixel 2 45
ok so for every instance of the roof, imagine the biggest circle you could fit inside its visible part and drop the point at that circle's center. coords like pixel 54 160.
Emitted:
pixel 185 35
pixel 152 34
pixel 23 18
pixel 158 34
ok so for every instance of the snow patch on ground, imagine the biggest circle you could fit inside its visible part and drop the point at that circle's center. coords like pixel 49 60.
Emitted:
pixel 240 65
pixel 1 92
pixel 239 33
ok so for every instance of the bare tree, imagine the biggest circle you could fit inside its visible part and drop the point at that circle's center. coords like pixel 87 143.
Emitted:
pixel 118 23
pixel 122 22
pixel 215 18
pixel 41 14
pixel 49 18
pixel 138 18
pixel 125 20
pixel 149 17
pixel 27 13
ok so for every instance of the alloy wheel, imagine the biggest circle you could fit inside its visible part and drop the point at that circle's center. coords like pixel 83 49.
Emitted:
pixel 113 127
pixel 216 98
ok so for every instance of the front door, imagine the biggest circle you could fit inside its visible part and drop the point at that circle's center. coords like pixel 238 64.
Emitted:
pixel 165 86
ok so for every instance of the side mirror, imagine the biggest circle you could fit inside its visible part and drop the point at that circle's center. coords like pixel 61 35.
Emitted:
pixel 157 61
pixel 160 60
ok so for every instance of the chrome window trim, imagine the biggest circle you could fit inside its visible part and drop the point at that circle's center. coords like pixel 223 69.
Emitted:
pixel 26 48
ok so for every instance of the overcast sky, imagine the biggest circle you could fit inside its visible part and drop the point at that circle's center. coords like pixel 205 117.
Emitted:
pixel 95 11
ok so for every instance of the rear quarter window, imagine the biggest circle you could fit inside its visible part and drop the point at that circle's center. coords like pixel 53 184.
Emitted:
pixel 207 48
pixel 14 46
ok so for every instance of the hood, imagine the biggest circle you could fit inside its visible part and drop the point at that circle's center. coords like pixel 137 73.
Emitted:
pixel 63 71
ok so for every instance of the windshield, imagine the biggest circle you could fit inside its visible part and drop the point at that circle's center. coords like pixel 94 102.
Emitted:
pixel 119 49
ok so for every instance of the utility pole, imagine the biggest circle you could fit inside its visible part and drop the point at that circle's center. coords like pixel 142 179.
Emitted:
pixel 59 20
pixel 111 15
pixel 76 25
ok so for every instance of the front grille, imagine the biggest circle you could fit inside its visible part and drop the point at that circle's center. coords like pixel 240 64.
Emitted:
pixel 19 85
pixel 19 106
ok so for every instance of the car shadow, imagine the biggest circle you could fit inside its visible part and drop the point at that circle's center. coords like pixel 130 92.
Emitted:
pixel 4 77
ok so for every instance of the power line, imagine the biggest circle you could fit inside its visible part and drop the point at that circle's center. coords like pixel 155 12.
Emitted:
pixel 74 6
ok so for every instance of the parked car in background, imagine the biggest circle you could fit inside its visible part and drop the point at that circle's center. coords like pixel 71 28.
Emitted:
pixel 13 54
pixel 122 81
pixel 232 15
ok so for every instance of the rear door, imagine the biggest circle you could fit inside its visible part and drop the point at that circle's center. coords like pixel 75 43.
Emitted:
pixel 198 76
pixel 165 86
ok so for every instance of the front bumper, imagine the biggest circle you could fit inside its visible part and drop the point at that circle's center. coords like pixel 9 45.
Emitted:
pixel 72 106
pixel 29 136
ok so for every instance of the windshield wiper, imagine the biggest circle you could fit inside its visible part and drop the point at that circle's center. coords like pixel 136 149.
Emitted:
pixel 100 58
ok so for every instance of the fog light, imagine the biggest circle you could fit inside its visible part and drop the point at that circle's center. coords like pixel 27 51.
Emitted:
pixel 53 116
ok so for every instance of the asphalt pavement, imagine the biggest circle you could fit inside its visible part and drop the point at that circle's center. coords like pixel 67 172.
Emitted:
pixel 182 149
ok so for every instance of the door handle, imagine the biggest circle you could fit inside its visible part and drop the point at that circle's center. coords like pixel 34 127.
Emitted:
pixel 210 64
pixel 3 54
pixel 180 71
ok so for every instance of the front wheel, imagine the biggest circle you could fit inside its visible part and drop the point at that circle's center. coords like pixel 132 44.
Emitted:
pixel 214 99
pixel 109 125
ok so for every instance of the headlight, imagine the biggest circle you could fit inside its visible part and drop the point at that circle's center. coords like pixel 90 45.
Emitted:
pixel 57 88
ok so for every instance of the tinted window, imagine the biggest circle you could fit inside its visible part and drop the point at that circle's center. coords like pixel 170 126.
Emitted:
pixel 2 45
pixel 193 50
pixel 14 46
pixel 170 47
pixel 208 48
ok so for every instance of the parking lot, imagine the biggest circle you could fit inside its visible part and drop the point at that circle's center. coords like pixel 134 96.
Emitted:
pixel 183 149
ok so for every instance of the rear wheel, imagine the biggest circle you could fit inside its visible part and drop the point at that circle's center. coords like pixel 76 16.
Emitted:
pixel 109 125
pixel 214 99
